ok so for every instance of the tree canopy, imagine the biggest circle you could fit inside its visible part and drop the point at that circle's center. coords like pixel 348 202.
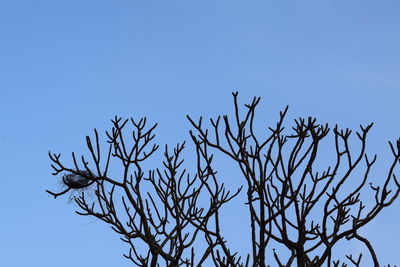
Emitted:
pixel 169 216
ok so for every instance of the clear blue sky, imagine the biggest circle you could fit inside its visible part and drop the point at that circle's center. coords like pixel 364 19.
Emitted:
pixel 69 66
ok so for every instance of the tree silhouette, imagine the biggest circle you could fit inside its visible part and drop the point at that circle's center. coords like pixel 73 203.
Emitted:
pixel 169 217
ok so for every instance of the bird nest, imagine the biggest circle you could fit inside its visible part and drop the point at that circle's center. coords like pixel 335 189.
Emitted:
pixel 76 181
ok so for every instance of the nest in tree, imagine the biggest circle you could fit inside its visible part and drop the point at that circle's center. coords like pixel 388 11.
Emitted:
pixel 76 181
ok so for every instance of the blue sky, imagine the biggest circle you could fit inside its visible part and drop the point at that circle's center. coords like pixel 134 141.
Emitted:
pixel 67 67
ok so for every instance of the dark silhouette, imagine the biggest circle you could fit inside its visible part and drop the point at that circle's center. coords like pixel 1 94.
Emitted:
pixel 292 201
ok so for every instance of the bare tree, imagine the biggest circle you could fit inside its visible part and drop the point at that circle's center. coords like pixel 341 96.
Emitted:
pixel 291 202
